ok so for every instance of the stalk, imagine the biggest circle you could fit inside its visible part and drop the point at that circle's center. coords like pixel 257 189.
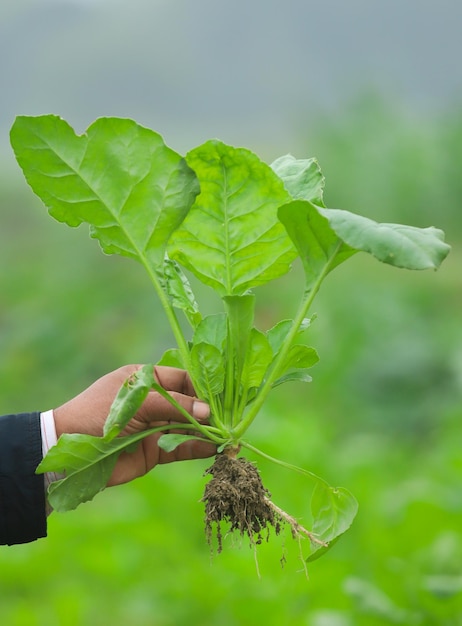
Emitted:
pixel 307 301
pixel 229 380
pixel 170 313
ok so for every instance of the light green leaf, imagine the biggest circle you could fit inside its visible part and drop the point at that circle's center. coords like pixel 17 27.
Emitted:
pixel 118 177
pixel 207 370
pixel 302 178
pixel 300 356
pixel 170 442
pixel 180 292
pixel 396 244
pixel 128 400
pixel 278 333
pixel 258 358
pixel 212 330
pixel 172 358
pixel 295 366
pixel 333 510
pixel 232 239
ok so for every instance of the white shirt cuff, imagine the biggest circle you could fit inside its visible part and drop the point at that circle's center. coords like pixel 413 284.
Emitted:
pixel 49 439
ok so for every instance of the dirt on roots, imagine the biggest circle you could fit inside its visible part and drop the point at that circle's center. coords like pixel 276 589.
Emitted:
pixel 236 495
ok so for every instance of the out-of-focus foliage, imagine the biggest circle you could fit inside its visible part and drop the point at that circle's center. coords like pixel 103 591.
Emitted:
pixel 381 417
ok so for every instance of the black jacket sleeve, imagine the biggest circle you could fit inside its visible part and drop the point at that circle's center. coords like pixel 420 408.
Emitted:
pixel 22 492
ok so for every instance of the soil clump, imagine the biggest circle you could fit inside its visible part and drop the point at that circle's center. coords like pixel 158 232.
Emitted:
pixel 236 495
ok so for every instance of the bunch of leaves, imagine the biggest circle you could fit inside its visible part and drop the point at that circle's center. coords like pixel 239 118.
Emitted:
pixel 235 223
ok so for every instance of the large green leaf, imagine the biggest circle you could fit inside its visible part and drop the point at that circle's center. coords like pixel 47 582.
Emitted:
pixel 118 177
pixel 333 510
pixel 397 244
pixel 302 178
pixel 232 239
pixel 327 237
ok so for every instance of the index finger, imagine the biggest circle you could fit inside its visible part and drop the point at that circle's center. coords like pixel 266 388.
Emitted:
pixel 174 379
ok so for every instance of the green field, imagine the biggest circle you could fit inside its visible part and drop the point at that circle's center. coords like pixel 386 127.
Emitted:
pixel 382 417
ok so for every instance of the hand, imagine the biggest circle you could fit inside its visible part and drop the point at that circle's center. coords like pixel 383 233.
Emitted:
pixel 87 412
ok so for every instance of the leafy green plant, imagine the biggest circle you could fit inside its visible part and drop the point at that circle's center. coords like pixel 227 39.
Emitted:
pixel 235 223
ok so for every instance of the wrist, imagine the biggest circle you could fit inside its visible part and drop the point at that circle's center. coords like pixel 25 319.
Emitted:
pixel 61 420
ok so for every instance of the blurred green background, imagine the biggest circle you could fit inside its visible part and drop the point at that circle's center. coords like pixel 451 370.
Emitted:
pixel 383 414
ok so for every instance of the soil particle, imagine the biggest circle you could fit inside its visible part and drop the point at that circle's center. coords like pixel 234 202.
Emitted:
pixel 236 495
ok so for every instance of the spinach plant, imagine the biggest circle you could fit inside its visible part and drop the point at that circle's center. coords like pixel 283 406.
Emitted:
pixel 235 223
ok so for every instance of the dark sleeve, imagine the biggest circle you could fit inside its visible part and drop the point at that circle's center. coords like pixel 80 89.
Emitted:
pixel 22 492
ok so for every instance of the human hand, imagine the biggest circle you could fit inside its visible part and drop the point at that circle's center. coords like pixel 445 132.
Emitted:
pixel 87 412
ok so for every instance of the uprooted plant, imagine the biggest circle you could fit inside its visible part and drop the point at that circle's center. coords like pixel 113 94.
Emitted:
pixel 235 223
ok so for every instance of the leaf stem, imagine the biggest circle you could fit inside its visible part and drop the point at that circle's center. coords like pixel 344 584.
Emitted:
pixel 289 466
pixel 307 301
pixel 228 400
pixel 204 430
pixel 170 313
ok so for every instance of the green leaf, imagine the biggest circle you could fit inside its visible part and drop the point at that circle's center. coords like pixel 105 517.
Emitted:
pixel 207 370
pixel 325 238
pixel 278 333
pixel 302 178
pixel 172 358
pixel 88 463
pixel 396 244
pixel 333 510
pixel 300 375
pixel 180 292
pixel 212 330
pixel 170 442
pixel 300 356
pixel 295 366
pixel 319 246
pixel 232 240
pixel 129 399
pixel 118 177
pixel 258 359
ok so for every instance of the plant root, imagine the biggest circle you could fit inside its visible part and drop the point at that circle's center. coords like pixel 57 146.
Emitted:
pixel 236 495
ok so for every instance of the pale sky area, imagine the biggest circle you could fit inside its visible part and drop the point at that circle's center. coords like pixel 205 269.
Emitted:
pixel 251 72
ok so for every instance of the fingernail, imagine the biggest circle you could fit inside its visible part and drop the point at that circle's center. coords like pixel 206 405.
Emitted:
pixel 201 410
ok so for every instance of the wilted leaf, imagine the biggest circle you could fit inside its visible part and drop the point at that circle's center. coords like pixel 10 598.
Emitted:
pixel 128 400
pixel 88 463
pixel 302 178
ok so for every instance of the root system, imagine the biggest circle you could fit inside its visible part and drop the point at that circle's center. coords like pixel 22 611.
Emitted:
pixel 236 495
